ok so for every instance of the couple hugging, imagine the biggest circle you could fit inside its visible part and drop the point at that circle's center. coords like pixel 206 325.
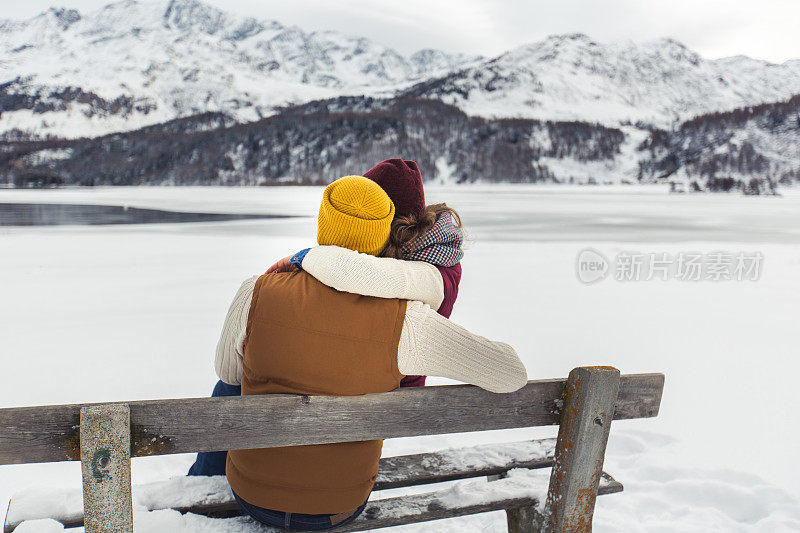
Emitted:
pixel 364 312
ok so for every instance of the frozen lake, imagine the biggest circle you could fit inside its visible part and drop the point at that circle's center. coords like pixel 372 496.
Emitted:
pixel 497 213
pixel 52 214
pixel 95 313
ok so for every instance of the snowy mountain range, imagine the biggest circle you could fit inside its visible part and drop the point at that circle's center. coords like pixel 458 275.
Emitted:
pixel 585 111
pixel 167 59
pixel 174 58
pixel 571 77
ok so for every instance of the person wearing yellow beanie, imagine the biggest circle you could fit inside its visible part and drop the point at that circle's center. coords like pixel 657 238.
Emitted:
pixel 355 213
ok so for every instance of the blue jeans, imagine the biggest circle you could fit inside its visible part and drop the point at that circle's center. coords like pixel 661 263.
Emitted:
pixel 213 464
pixel 297 521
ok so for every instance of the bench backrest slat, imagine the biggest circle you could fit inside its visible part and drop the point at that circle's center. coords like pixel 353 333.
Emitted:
pixel 159 427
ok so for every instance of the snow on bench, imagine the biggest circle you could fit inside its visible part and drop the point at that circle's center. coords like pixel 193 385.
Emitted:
pixel 520 488
pixel 212 495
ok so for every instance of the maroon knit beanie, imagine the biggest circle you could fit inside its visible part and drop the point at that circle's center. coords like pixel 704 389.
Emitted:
pixel 403 183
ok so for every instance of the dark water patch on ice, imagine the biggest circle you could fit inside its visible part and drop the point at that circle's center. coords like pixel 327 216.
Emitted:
pixel 18 214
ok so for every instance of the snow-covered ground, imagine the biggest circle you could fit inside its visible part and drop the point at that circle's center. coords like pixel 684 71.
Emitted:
pixel 131 312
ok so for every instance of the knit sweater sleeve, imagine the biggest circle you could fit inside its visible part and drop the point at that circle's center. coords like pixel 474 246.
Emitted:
pixel 432 345
pixel 230 348
pixel 349 271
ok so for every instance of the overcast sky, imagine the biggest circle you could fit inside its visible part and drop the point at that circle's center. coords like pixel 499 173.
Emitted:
pixel 765 29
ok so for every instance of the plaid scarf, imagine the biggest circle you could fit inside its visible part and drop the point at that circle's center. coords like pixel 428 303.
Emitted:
pixel 440 245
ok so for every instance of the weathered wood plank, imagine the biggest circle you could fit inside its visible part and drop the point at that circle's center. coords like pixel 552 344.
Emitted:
pixel 394 472
pixel 426 468
pixel 580 449
pixel 639 396
pixel 159 427
pixel 422 508
pixel 463 463
pixel 377 512
pixel 106 468
pixel 431 506
pixel 426 507
pixel 524 520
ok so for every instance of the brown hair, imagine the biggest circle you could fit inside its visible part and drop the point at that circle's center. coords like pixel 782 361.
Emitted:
pixel 409 228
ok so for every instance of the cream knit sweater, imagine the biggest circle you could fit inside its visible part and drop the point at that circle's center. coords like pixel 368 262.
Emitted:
pixel 430 345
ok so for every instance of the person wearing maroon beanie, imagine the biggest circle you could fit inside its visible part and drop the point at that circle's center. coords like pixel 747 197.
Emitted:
pixel 402 181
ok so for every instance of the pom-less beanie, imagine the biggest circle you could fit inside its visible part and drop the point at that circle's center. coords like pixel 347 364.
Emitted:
pixel 355 213
pixel 402 181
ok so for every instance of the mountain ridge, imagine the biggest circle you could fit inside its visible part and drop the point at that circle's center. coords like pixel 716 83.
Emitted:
pixel 183 57
pixel 572 77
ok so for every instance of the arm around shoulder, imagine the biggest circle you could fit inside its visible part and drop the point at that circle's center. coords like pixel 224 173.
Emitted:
pixel 349 271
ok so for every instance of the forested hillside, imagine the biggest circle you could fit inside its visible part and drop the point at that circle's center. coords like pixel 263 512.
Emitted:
pixel 753 149
pixel 313 143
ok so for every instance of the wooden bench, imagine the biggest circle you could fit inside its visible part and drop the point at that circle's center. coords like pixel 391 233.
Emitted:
pixel 104 437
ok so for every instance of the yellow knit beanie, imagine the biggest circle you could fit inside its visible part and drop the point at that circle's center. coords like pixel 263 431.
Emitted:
pixel 355 213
